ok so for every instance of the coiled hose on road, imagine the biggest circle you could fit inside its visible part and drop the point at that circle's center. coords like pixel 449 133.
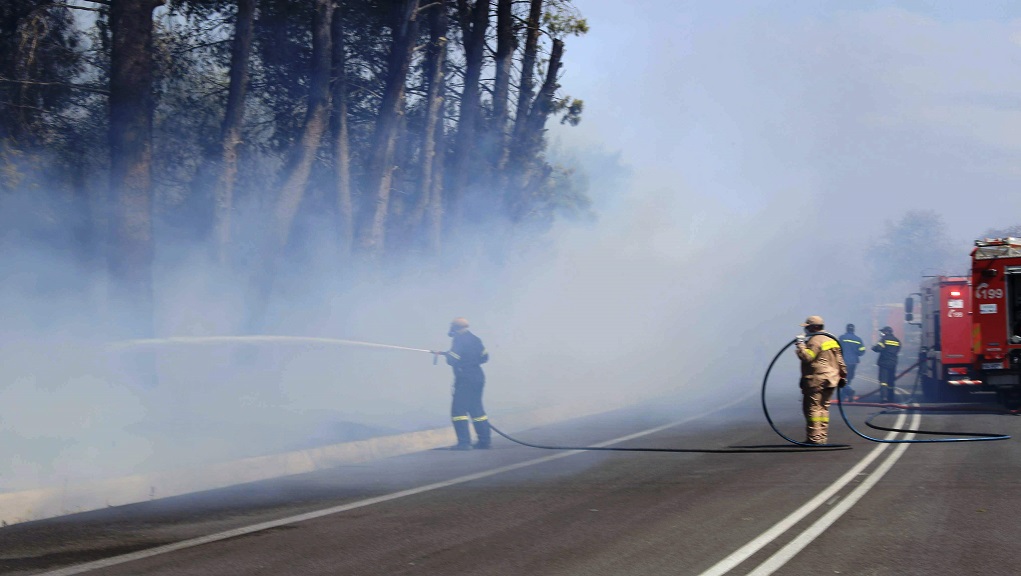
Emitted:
pixel 960 436
pixel 800 446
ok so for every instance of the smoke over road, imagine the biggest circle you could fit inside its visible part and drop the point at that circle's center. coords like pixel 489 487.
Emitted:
pixel 738 178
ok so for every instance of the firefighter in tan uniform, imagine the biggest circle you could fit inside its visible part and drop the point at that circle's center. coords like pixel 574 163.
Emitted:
pixel 822 371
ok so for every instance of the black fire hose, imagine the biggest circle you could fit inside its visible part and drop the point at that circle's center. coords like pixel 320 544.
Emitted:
pixel 801 446
pixel 736 450
pixel 748 450
pixel 967 436
pixel 765 407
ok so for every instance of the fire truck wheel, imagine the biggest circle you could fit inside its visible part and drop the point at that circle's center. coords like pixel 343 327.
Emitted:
pixel 1010 397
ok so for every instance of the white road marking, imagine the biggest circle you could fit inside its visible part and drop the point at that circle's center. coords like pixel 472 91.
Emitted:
pixel 191 543
pixel 782 556
pixel 746 551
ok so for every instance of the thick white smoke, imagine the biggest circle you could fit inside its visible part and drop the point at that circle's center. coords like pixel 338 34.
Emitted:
pixel 764 150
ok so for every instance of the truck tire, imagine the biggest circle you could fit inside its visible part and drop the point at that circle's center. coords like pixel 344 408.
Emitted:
pixel 1010 398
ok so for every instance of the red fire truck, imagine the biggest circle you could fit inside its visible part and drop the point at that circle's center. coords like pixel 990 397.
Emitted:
pixel 971 327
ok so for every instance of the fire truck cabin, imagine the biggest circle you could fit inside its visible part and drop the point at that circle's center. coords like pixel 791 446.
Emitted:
pixel 996 315
pixel 946 358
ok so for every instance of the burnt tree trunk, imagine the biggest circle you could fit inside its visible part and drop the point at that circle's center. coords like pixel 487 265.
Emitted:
pixel 430 208
pixel 544 100
pixel 230 132
pixel 341 138
pixel 528 59
pixel 130 135
pixel 506 43
pixel 391 110
pixel 299 166
pixel 529 140
pixel 474 21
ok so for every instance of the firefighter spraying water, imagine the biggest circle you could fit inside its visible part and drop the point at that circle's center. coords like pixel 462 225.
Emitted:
pixel 466 356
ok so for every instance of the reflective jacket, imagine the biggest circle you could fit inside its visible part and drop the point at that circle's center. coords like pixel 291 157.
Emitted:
pixel 888 349
pixel 852 347
pixel 822 362
pixel 466 356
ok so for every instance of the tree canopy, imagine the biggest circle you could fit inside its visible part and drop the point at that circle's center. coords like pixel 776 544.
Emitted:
pixel 916 245
pixel 262 131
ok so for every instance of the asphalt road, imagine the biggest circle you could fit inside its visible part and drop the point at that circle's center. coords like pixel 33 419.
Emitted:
pixel 876 509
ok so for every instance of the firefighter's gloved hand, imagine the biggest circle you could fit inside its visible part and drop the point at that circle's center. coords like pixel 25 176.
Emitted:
pixel 799 339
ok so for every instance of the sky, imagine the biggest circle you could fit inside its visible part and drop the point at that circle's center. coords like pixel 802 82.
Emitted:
pixel 846 113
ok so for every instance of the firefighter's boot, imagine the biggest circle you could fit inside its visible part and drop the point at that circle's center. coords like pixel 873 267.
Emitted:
pixel 464 441
pixel 885 393
pixel 483 431
pixel 817 429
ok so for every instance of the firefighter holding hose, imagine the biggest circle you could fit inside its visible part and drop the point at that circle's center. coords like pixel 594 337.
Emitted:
pixel 466 356
pixel 822 371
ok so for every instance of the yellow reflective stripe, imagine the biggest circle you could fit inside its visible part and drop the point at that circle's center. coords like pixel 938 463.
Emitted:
pixel 480 419
pixel 455 355
pixel 892 343
pixel 819 419
pixel 861 345
pixel 458 418
pixel 809 353
pixel 830 345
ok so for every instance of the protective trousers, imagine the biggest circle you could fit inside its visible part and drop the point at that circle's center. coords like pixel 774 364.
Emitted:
pixel 467 403
pixel 887 377
pixel 815 405
pixel 848 392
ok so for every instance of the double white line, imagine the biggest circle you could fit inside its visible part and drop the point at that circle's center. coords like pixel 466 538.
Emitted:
pixel 767 567
pixel 782 556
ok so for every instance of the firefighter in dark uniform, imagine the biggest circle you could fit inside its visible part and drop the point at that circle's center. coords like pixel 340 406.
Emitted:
pixel 853 349
pixel 888 348
pixel 466 356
